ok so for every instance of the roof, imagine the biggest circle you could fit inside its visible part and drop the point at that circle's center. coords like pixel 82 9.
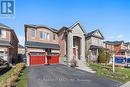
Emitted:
pixel 4 43
pixel 36 26
pixel 124 50
pixel 114 42
pixel 4 26
pixel 20 46
pixel 77 23
pixel 41 45
pixel 10 29
pixel 92 34
pixel 127 43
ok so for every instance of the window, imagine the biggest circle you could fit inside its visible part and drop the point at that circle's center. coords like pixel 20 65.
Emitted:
pixel 2 33
pixel 33 32
pixel 48 36
pixel 54 37
pixel 44 35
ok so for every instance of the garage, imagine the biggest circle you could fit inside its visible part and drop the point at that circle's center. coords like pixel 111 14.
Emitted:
pixel 42 53
pixel 53 59
pixel 37 58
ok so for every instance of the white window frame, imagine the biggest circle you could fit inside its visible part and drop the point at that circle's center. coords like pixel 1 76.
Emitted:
pixel 33 31
pixel 3 33
pixel 44 35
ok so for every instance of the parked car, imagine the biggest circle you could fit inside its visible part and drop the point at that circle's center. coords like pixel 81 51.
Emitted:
pixel 3 62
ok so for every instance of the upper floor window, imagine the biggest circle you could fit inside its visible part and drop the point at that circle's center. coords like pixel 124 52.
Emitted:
pixel 44 35
pixel 2 33
pixel 33 32
pixel 54 37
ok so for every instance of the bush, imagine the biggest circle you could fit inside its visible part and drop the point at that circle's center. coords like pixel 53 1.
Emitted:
pixel 9 78
pixel 104 56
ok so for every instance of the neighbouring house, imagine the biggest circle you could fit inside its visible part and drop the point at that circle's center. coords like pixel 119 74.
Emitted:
pixel 120 49
pixel 21 53
pixel 8 44
pixel 93 41
pixel 48 45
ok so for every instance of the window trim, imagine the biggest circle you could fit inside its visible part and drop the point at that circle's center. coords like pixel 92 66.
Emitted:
pixel 3 33
pixel 33 31
pixel 45 35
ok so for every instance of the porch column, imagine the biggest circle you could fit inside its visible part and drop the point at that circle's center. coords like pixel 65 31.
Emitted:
pixel 82 48
pixel 69 47
pixel 27 57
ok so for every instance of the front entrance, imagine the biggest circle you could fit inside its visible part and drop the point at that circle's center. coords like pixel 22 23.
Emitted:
pixel 76 47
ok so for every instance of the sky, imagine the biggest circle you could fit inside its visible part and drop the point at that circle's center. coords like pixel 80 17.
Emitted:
pixel 112 17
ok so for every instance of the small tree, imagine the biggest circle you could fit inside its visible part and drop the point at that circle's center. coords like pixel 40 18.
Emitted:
pixel 102 56
pixel 108 57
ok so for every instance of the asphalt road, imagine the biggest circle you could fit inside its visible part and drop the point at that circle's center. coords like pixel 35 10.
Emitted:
pixel 63 76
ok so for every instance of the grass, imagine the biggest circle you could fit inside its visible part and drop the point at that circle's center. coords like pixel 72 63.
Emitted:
pixel 121 74
pixel 22 79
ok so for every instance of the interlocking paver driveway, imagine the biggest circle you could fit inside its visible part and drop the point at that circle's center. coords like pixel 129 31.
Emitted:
pixel 63 76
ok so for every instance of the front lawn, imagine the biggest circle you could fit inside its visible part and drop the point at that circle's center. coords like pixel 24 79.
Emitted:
pixel 121 74
pixel 22 79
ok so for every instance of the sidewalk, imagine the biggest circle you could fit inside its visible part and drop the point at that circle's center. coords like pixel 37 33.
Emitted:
pixel 84 67
pixel 127 84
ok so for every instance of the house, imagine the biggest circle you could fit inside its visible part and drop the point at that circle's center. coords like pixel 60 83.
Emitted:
pixel 8 44
pixel 48 45
pixel 93 41
pixel 40 42
pixel 118 47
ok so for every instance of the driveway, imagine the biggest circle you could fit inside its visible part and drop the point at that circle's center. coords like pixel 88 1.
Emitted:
pixel 63 76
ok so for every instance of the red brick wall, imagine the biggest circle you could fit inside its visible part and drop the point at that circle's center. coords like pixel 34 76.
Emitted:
pixel 62 43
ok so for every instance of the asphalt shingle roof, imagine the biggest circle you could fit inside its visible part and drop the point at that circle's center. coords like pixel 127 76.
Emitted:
pixel 4 26
pixel 20 46
pixel 92 34
pixel 4 43
pixel 31 25
pixel 114 42
pixel 42 45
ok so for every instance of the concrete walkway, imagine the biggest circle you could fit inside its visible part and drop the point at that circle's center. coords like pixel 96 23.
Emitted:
pixel 127 84
pixel 84 67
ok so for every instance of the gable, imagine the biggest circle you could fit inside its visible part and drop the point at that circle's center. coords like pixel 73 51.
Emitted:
pixel 98 34
pixel 77 29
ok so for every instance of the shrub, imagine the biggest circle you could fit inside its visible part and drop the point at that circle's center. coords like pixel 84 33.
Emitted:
pixel 11 76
